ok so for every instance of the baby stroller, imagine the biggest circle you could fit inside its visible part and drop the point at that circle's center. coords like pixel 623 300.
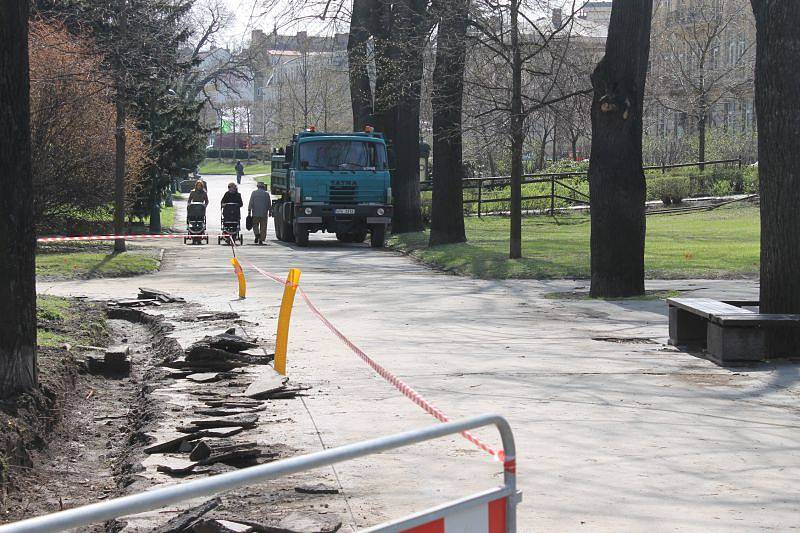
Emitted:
pixel 231 224
pixel 196 223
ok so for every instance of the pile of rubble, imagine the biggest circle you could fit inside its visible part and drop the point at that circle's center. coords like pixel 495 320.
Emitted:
pixel 147 297
pixel 228 409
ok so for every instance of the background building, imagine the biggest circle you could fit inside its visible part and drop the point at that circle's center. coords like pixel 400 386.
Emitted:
pixel 298 81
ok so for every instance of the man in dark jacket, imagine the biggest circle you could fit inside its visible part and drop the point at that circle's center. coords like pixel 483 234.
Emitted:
pixel 239 172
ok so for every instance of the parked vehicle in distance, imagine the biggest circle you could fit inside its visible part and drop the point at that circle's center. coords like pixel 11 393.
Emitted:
pixel 332 182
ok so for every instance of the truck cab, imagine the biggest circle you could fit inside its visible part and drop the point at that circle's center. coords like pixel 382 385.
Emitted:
pixel 332 182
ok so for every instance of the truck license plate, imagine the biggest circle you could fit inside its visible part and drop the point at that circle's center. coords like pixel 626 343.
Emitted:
pixel 345 211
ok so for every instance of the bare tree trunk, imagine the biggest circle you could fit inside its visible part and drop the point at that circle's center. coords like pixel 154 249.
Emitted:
pixel 701 131
pixel 574 142
pixel 701 141
pixel 233 122
pixel 119 148
pixel 119 174
pixel 17 235
pixel 447 207
pixel 777 92
pixel 357 57
pixel 616 179
pixel 555 139
pixel 517 137
pixel 385 74
pixel 400 67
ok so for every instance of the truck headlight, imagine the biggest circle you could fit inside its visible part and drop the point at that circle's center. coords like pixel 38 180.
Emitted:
pixel 380 211
pixel 308 211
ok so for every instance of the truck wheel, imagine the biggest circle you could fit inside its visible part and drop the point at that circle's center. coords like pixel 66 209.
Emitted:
pixel 359 236
pixel 287 229
pixel 301 234
pixel 343 237
pixel 378 237
pixel 276 219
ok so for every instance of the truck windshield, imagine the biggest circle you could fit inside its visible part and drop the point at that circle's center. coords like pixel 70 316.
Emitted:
pixel 342 155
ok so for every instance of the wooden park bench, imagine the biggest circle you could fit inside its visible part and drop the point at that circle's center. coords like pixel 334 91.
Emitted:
pixel 728 332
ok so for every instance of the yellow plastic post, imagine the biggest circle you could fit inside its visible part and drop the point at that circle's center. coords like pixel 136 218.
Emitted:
pixel 282 341
pixel 239 274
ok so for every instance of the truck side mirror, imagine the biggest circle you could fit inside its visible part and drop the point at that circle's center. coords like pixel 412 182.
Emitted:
pixel 289 154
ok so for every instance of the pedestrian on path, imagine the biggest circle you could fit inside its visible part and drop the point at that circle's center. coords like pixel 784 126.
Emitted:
pixel 259 208
pixel 232 196
pixel 199 193
pixel 239 172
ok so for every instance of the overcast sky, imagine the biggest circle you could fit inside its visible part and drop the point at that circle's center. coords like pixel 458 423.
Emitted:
pixel 266 14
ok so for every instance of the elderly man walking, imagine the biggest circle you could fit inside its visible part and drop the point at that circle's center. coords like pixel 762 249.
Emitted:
pixel 259 208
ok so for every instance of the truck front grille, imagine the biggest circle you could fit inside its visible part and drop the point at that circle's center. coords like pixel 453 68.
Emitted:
pixel 343 194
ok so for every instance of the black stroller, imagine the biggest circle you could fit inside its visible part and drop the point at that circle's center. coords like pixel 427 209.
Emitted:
pixel 231 224
pixel 196 223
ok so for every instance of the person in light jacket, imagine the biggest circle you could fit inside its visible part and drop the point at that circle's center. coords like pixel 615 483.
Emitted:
pixel 259 208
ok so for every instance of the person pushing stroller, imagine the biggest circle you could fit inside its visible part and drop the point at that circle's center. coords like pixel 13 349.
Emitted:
pixel 231 206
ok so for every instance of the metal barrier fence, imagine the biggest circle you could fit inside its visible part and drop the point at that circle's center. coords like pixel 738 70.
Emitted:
pixel 498 505
pixel 558 190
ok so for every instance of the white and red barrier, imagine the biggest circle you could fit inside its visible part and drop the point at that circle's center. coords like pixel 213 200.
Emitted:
pixel 488 517
pixel 115 237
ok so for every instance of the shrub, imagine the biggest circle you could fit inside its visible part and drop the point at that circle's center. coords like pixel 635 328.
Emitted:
pixel 668 189
pixel 72 137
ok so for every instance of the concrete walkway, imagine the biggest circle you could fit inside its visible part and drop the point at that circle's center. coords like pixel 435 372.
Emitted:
pixel 621 434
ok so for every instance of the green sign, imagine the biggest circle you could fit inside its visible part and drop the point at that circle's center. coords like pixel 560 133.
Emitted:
pixel 225 126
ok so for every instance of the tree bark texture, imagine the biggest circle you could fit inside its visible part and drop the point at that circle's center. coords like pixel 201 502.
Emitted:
pixel 119 148
pixel 517 137
pixel 447 206
pixel 119 175
pixel 358 62
pixel 398 85
pixel 777 95
pixel 17 237
pixel 616 179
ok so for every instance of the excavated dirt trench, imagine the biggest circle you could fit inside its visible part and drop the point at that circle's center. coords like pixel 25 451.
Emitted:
pixel 102 447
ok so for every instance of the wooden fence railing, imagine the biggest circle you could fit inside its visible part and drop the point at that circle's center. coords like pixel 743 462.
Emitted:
pixel 558 190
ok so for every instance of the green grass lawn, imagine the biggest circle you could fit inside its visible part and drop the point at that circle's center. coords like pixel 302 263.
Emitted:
pixel 722 243
pixel 93 260
pixel 214 166
pixel 60 321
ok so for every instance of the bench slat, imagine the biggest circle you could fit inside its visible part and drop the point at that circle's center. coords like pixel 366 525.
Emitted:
pixel 706 307
pixel 756 319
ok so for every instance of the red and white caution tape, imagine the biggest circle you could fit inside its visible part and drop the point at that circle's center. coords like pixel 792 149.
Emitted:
pixel 115 237
pixel 398 383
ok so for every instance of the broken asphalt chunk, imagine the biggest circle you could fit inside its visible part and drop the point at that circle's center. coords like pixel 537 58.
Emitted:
pixel 231 343
pixel 204 377
pixel 183 521
pixel 175 466
pixel 266 385
pixel 318 488
pixel 154 294
pixel 206 525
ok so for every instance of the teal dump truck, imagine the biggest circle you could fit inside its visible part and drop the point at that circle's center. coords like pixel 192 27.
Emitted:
pixel 332 182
